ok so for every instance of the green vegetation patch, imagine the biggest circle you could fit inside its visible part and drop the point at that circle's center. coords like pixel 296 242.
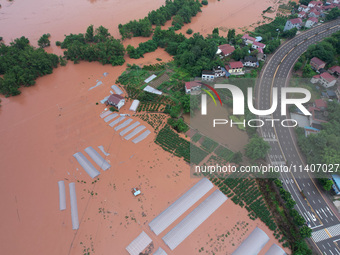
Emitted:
pixel 196 137
pixel 21 64
pixel 224 153
pixel 209 144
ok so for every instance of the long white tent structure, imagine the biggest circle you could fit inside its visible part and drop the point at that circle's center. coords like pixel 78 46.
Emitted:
pixel 97 158
pixel 129 128
pixel 123 125
pixel 74 207
pixel 141 137
pixel 194 219
pixel 253 244
pixel 180 206
pixel 62 196
pixel 275 250
pixel 117 121
pixel 105 114
pixel 160 251
pixel 134 132
pixel 139 244
pixel 134 105
pixel 116 89
pixel 110 117
pixel 86 164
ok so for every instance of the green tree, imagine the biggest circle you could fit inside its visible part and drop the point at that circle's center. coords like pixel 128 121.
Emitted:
pixel 215 31
pixel 89 36
pixel 326 183
pixel 231 35
pixel 305 232
pixel 205 2
pixel 333 14
pixel 189 31
pixel 257 148
pixel 44 41
pixel 307 71
pixel 237 158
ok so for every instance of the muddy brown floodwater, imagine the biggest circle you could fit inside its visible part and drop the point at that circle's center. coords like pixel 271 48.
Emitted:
pixel 42 128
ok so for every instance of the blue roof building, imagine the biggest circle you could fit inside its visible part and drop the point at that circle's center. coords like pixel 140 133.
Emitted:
pixel 336 185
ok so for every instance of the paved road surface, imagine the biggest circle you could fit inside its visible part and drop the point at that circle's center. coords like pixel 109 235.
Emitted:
pixel 316 209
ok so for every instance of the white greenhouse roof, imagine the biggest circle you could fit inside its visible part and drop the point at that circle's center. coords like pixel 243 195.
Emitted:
pixel 152 90
pixel 194 219
pixel 62 196
pixel 116 89
pixel 160 251
pixel 129 128
pixel 147 80
pixel 97 158
pixel 74 207
pixel 123 125
pixel 134 132
pixel 180 206
pixel 117 121
pixel 110 117
pixel 275 250
pixel 86 164
pixel 105 114
pixel 139 244
pixel 134 105
pixel 253 244
pixel 141 137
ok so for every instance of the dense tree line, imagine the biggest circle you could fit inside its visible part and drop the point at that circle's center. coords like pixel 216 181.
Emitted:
pixel 21 64
pixel 95 45
pixel 333 14
pixel 182 10
pixel 148 46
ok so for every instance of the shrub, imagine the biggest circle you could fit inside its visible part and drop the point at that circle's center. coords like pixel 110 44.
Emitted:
pixel 204 2
pixel 189 31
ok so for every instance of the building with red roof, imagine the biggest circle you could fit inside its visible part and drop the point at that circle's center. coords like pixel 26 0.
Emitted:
pixel 293 23
pixel 191 86
pixel 302 14
pixel 248 39
pixel 258 45
pixel 235 68
pixel 320 104
pixel 116 100
pixel 226 49
pixel 327 80
pixel 317 63
pixel 335 70
pixel 314 13
pixel 311 22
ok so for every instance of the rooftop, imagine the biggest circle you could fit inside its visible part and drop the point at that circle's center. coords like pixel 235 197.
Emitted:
pixel 236 64
pixel 314 19
pixel 317 61
pixel 335 69
pixel 319 103
pixel 327 77
pixel 192 84
pixel 226 49
pixel 114 98
pixel 296 21
pixel 246 36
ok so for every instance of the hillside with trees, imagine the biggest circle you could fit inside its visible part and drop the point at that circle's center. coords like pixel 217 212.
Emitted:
pixel 21 64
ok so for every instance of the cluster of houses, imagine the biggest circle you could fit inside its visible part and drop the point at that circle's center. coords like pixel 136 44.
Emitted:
pixel 233 67
pixel 308 16
pixel 328 80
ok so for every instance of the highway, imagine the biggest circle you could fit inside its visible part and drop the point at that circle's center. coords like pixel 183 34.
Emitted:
pixel 310 202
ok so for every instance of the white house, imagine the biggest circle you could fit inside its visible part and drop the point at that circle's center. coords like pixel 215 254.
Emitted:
pixel 325 79
pixel 219 72
pixel 248 39
pixel 313 4
pixel 116 100
pixel 235 68
pixel 311 22
pixel 303 8
pixel 258 45
pixel 250 61
pixel 192 86
pixel 302 15
pixel 297 22
pixel 208 75
pixel 314 13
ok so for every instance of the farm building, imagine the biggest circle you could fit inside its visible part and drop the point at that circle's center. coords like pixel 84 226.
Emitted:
pixel 253 244
pixel 116 100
